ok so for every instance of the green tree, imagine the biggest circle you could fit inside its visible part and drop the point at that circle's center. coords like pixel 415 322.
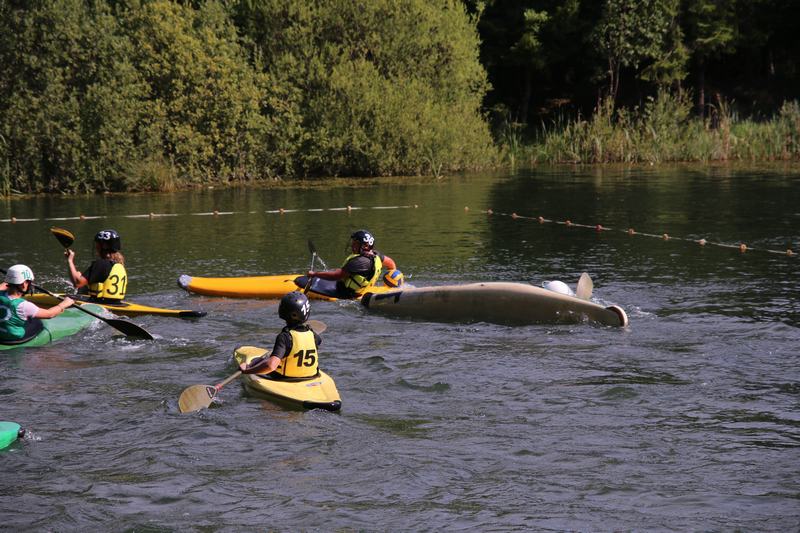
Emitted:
pixel 372 87
pixel 710 30
pixel 632 32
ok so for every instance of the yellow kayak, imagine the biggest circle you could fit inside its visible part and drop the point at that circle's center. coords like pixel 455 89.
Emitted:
pixel 310 393
pixel 123 308
pixel 268 287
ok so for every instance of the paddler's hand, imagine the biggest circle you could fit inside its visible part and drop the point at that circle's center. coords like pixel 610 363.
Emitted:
pixel 311 274
pixel 69 254
pixel 67 302
pixel 243 368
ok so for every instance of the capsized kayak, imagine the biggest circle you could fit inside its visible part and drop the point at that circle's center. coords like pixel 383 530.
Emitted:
pixel 70 322
pixel 124 308
pixel 9 432
pixel 269 287
pixel 495 302
pixel 318 392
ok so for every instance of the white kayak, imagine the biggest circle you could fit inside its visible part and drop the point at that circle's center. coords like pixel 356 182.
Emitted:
pixel 495 302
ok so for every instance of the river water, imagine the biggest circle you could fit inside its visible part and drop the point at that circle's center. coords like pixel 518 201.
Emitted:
pixel 687 420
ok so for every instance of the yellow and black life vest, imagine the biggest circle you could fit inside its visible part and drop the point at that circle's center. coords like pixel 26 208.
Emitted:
pixel 357 282
pixel 302 361
pixel 114 286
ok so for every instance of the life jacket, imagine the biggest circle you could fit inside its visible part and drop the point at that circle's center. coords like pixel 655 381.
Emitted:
pixel 357 282
pixel 114 286
pixel 302 361
pixel 12 327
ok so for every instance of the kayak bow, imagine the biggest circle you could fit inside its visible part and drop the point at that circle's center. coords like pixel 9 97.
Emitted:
pixel 123 308
pixel 68 323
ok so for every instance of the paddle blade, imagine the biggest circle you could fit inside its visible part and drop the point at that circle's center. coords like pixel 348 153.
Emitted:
pixel 317 325
pixel 196 397
pixel 64 237
pixel 129 329
pixel 585 287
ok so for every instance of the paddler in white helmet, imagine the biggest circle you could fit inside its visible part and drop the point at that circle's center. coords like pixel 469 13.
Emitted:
pixel 361 269
pixel 19 318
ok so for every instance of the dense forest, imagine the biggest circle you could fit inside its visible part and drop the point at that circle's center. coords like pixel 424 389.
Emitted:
pixel 112 95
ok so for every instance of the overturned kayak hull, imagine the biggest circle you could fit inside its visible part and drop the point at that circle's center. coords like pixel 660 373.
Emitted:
pixel 70 322
pixel 124 308
pixel 318 392
pixel 495 302
pixel 266 287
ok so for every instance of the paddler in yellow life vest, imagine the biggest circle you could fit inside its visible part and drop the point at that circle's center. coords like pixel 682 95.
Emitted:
pixel 105 280
pixel 294 355
pixel 361 269
pixel 19 318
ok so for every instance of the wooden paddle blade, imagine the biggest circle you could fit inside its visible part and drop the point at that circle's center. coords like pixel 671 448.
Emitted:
pixel 585 287
pixel 129 329
pixel 64 237
pixel 317 325
pixel 196 397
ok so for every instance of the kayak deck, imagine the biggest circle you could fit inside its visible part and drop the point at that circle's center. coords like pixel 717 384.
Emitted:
pixel 495 302
pixel 314 393
pixel 266 287
pixel 123 308
pixel 70 322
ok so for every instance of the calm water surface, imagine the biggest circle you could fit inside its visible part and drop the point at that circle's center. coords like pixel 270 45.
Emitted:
pixel 688 420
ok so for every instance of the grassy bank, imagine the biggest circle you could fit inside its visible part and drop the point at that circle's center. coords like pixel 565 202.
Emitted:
pixel 663 130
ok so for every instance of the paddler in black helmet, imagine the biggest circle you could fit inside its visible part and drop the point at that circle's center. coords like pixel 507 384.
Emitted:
pixel 105 280
pixel 361 269
pixel 294 354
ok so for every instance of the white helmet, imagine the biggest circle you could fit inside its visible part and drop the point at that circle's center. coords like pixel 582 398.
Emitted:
pixel 559 287
pixel 18 274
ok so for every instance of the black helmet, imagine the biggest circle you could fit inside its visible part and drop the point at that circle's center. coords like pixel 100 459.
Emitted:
pixel 109 240
pixel 294 308
pixel 364 237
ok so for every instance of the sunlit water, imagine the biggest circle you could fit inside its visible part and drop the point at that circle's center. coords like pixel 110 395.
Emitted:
pixel 686 420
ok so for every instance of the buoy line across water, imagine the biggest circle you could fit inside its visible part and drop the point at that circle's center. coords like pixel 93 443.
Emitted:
pixel 742 247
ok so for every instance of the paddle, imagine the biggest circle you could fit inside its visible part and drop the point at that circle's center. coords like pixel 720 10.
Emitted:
pixel 64 237
pixel 199 397
pixel 315 255
pixel 585 287
pixel 128 328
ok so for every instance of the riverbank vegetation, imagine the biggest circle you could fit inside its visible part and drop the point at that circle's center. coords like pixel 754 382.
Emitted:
pixel 112 95
pixel 643 80
pixel 663 130
pixel 158 95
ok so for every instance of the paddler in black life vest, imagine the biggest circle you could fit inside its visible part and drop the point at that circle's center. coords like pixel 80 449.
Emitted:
pixel 294 354
pixel 105 280
pixel 361 269
pixel 19 318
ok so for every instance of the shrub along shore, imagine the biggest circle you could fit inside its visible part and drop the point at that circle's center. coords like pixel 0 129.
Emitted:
pixel 663 130
pixel 162 95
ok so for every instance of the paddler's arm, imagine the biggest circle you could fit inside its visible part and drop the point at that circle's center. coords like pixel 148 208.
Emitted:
pixel 331 275
pixel 261 365
pixel 388 263
pixel 55 310
pixel 78 280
